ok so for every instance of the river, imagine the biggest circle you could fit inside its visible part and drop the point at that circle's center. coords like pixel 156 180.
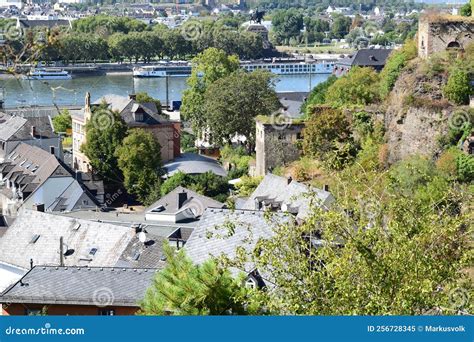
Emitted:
pixel 18 92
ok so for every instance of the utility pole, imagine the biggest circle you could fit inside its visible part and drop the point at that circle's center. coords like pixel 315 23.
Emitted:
pixel 61 252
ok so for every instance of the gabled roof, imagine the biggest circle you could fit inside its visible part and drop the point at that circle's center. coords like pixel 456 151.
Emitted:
pixel 367 57
pixel 212 237
pixel 286 194
pixel 35 235
pixel 81 286
pixel 168 204
pixel 33 161
pixel 14 128
pixel 9 125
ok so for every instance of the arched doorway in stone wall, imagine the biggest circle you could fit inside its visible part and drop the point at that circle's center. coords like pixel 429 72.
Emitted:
pixel 454 45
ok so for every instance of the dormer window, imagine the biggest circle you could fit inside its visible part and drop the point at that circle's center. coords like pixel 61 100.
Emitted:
pixel 138 113
pixel 251 283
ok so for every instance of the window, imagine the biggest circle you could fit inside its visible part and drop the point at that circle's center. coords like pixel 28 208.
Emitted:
pixel 93 251
pixel 35 238
pixel 106 312
pixel 251 283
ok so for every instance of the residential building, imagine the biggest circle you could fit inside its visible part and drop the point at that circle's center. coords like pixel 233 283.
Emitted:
pixel 63 290
pixel 372 58
pixel 276 143
pixel 145 116
pixel 179 205
pixel 31 130
pixel 33 177
pixel 212 238
pixel 283 194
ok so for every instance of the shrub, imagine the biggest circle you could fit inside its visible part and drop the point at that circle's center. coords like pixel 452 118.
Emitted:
pixel 447 164
pixel 465 167
pixel 396 62
pixel 458 87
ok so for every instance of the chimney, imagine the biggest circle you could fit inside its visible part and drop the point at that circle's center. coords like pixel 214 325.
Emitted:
pixel 52 150
pixel 1 104
pixel 182 197
pixel 289 180
pixel 326 187
pixel 33 131
pixel 38 207
pixel 132 96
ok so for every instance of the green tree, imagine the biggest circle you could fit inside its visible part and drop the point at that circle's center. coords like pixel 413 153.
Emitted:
pixel 341 26
pixel 325 132
pixel 232 103
pixel 287 24
pixel 208 66
pixel 139 159
pixel 183 288
pixel 105 133
pixel 318 95
pixel 358 87
pixel 466 9
pixel 465 167
pixel 62 122
pixel 143 97
pixel 458 89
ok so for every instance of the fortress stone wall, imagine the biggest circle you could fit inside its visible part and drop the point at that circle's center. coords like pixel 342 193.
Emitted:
pixel 437 34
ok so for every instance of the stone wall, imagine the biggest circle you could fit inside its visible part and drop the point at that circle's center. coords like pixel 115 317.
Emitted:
pixel 438 34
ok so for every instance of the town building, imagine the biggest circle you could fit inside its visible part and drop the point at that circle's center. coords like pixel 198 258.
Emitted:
pixel 32 177
pixel 194 164
pixel 212 238
pixel 32 130
pixel 179 205
pixel 275 193
pixel 276 142
pixel 145 116
pixel 65 290
pixel 438 33
pixel 371 58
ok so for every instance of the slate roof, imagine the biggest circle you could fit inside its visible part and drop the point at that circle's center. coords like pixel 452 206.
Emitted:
pixel 18 245
pixel 367 57
pixel 27 23
pixel 278 191
pixel 33 161
pixel 210 239
pixel 197 202
pixel 15 128
pixel 61 194
pixel 81 286
pixel 144 255
pixel 192 163
pixel 127 106
pixel 292 102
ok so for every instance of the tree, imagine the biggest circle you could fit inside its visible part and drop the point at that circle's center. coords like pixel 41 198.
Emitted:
pixel 466 9
pixel 143 97
pixel 287 24
pixel 62 122
pixel 105 133
pixel 183 288
pixel 233 102
pixel 139 159
pixel 325 132
pixel 358 87
pixel 208 67
pixel 318 95
pixel 458 89
pixel 341 26
pixel 359 265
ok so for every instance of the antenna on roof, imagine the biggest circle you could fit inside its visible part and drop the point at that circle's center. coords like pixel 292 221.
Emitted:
pixel 61 252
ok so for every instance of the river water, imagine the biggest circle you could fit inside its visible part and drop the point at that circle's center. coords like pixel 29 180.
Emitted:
pixel 18 92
